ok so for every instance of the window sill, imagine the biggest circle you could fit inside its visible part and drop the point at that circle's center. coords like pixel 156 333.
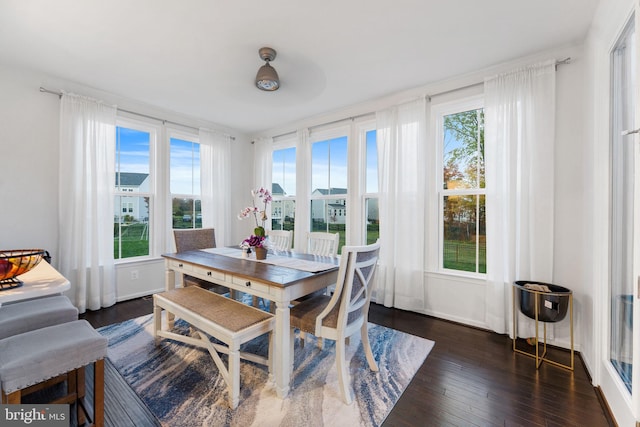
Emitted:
pixel 137 260
pixel 473 278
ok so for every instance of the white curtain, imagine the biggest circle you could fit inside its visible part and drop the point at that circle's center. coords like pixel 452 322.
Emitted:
pixel 519 148
pixel 215 183
pixel 401 155
pixel 263 166
pixel 303 189
pixel 86 200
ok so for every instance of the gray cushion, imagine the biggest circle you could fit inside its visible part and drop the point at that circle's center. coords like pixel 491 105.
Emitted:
pixel 33 314
pixel 36 356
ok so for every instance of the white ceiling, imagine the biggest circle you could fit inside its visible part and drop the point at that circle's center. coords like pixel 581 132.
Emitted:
pixel 200 57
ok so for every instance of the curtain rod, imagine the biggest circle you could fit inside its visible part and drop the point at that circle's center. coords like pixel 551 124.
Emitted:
pixel 42 89
pixel 566 60
pixel 324 124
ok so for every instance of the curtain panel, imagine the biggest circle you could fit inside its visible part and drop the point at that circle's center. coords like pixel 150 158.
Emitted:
pixel 401 139
pixel 215 182
pixel 520 139
pixel 86 200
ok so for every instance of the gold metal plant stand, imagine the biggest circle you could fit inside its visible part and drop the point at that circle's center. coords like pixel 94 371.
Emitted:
pixel 537 356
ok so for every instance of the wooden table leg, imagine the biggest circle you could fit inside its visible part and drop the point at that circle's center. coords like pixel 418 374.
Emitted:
pixel 282 356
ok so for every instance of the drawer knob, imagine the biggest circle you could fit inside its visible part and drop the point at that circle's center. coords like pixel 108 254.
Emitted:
pixel 248 284
pixel 180 265
pixel 208 273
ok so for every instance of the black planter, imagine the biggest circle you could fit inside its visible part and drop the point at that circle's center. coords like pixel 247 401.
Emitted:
pixel 552 306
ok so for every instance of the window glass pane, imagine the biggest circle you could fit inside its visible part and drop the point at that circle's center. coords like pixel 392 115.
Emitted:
pixel 186 212
pixel 463 150
pixel 283 214
pixel 372 221
pixel 329 166
pixel 464 222
pixel 184 167
pixel 284 172
pixel 131 227
pixel 372 163
pixel 329 216
pixel 132 159
pixel 132 211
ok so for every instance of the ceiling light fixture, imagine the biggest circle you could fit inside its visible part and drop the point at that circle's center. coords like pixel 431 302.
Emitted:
pixel 267 77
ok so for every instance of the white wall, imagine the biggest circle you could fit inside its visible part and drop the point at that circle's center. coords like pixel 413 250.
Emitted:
pixel 29 178
pixel 28 162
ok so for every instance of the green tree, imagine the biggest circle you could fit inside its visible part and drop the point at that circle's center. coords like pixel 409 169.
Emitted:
pixel 468 128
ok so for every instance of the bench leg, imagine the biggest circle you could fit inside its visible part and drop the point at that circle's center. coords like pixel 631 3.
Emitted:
pixel 12 398
pixel 157 322
pixel 98 393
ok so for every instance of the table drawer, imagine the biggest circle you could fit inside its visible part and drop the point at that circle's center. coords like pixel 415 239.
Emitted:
pixel 208 274
pixel 257 287
pixel 179 265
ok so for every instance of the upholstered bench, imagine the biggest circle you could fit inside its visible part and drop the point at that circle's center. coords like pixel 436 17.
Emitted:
pixel 225 319
pixel 33 360
pixel 24 316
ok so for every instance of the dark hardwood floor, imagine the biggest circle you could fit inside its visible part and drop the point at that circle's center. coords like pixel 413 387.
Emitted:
pixel 470 378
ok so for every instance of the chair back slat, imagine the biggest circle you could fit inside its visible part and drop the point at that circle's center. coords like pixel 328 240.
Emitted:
pixel 324 244
pixel 280 240
pixel 352 295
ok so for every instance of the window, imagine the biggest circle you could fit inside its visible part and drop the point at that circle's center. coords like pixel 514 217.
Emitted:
pixel 462 191
pixel 283 189
pixel 624 242
pixel 133 191
pixel 329 186
pixel 371 218
pixel 184 186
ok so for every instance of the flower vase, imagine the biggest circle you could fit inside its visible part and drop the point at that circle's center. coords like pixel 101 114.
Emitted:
pixel 261 253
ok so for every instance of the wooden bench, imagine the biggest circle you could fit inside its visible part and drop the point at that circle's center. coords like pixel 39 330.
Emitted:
pixel 225 319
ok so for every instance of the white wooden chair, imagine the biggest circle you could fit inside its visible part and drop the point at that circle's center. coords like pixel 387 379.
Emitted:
pixel 339 316
pixel 280 240
pixel 325 244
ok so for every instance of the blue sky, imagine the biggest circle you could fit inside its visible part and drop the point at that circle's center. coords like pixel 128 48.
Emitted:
pixel 134 150
pixel 329 162
pixel 185 159
pixel 329 165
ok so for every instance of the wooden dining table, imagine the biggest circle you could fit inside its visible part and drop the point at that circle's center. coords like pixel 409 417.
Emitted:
pixel 281 278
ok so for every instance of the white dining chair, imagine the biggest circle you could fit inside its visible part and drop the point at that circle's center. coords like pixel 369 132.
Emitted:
pixel 325 244
pixel 280 240
pixel 345 313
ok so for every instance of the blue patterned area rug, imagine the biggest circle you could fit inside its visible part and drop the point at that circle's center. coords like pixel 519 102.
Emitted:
pixel 182 387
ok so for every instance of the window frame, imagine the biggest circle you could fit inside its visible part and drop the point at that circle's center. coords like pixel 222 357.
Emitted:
pixel 155 202
pixel 195 139
pixel 362 128
pixel 439 112
pixel 285 143
pixel 325 134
